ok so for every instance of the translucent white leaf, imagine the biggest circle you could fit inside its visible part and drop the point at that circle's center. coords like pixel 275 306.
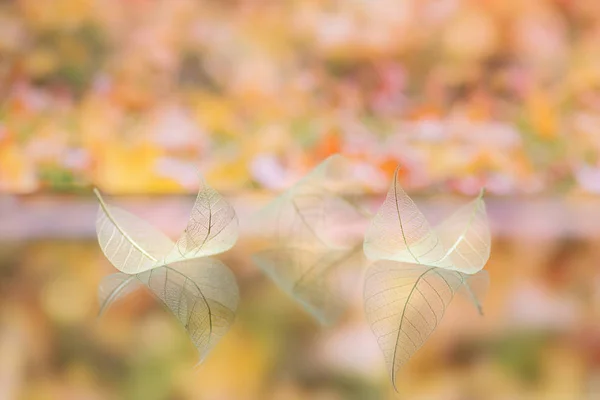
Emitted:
pixel 212 227
pixel 400 232
pixel 308 234
pixel 318 211
pixel 466 238
pixel 202 294
pixel 218 285
pixel 131 244
pixel 313 278
pixel 114 287
pixel 404 303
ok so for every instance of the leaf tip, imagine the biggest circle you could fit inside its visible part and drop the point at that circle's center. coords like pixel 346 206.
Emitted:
pixel 394 384
pixel 334 156
pixel 99 197
pixel 480 309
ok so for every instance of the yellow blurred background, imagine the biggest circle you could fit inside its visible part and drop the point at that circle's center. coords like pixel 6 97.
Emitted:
pixel 136 97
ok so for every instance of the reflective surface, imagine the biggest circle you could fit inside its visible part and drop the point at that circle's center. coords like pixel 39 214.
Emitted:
pixel 537 339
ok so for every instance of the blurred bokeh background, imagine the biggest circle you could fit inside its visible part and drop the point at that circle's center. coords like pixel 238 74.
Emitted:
pixel 136 97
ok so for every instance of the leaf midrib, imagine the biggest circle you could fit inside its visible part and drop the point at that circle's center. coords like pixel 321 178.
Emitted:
pixel 400 217
pixel 121 230
pixel 461 237
pixel 401 322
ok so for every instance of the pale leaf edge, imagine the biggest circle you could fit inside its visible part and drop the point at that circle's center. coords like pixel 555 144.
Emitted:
pixel 110 217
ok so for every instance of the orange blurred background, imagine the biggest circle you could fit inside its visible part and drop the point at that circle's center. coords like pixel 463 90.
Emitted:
pixel 136 97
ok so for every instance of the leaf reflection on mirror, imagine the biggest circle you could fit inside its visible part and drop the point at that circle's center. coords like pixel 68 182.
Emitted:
pixel 201 292
pixel 313 278
pixel 418 269
pixel 311 235
pixel 202 295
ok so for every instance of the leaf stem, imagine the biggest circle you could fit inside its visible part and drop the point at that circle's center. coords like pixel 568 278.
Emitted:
pixel 473 298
